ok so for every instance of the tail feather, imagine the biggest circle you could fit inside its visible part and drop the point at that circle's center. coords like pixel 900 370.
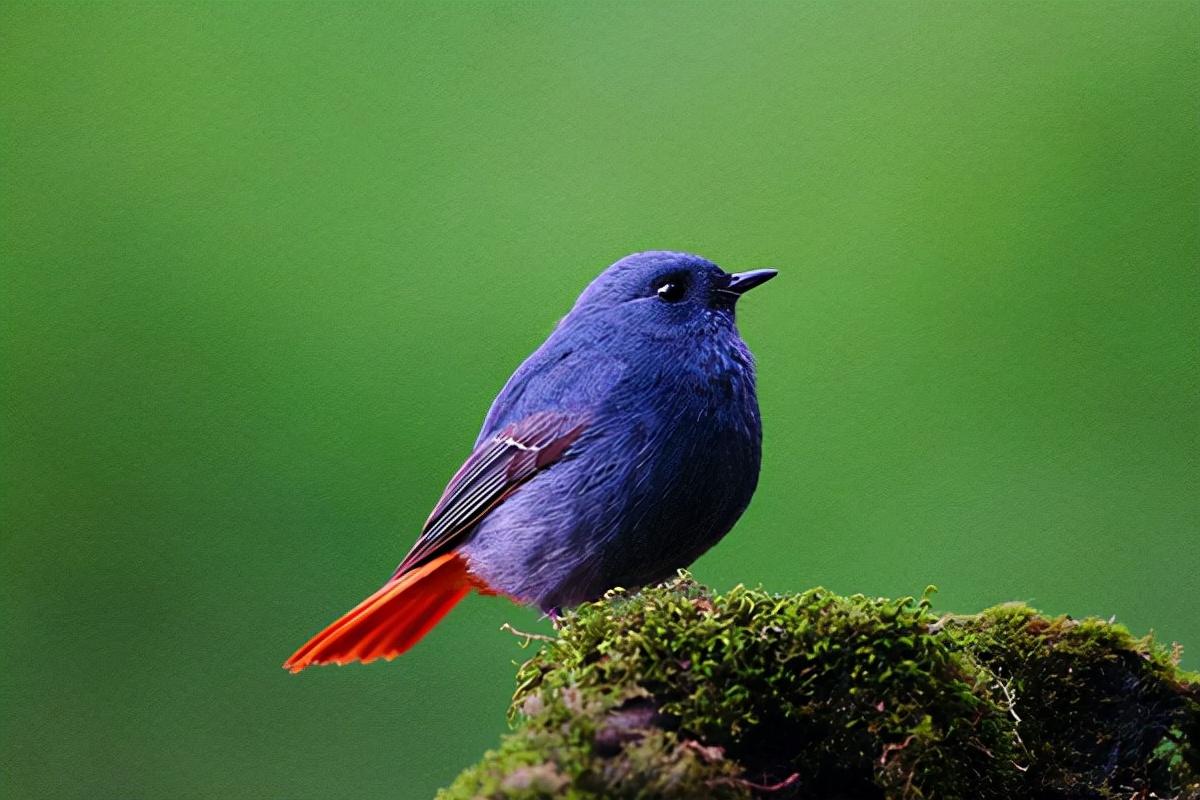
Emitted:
pixel 392 620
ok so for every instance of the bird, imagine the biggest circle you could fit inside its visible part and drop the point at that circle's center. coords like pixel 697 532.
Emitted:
pixel 622 449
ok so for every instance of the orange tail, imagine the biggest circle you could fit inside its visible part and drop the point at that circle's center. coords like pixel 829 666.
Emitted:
pixel 393 619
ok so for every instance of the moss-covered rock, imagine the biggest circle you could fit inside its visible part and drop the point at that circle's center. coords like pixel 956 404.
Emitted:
pixel 676 692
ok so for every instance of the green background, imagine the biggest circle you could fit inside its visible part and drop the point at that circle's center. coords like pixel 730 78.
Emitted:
pixel 265 266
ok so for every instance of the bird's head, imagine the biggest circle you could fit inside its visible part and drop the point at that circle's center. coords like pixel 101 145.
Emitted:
pixel 665 293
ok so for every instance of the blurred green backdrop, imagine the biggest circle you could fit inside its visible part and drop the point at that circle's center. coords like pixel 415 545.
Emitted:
pixel 264 267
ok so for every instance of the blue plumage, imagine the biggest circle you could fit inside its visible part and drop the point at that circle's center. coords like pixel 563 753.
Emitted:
pixel 622 449
pixel 650 366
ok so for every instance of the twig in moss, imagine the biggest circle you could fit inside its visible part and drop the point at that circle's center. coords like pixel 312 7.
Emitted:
pixel 757 787
pixel 1011 701
pixel 528 637
pixel 888 749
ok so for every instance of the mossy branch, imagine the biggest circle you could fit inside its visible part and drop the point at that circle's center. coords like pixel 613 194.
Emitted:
pixel 677 692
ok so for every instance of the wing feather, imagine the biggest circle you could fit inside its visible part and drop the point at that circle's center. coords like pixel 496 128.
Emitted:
pixel 496 469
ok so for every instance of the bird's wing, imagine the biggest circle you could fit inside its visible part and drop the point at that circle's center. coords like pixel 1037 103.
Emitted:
pixel 495 470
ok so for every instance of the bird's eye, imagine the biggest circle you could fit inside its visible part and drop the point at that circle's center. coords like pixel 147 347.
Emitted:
pixel 672 291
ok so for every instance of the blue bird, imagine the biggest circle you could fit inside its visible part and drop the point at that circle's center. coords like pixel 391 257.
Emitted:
pixel 620 451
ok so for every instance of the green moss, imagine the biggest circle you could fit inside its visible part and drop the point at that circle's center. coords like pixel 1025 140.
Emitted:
pixel 1099 709
pixel 676 692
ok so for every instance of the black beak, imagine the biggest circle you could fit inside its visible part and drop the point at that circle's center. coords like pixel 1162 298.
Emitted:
pixel 742 282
